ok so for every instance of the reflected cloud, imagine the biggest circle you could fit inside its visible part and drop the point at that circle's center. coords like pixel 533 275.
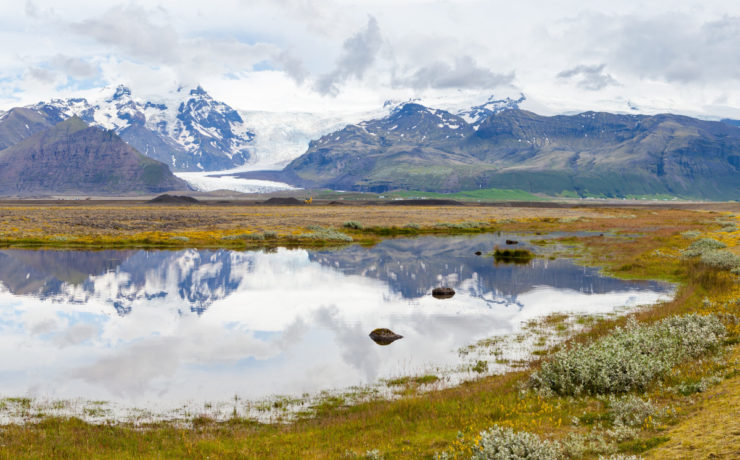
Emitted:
pixel 160 328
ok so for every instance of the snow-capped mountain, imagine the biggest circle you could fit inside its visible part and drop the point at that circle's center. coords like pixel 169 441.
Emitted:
pixel 186 129
pixel 476 114
pixel 189 281
pixel 190 131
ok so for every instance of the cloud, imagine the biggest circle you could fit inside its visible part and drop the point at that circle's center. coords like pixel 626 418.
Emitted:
pixel 42 75
pixel 132 30
pixel 589 77
pixel 672 47
pixel 292 66
pixel 358 54
pixel 74 67
pixel 145 37
pixel 464 73
pixel 76 334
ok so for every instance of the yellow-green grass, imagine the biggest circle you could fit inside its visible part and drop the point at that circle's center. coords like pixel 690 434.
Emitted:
pixel 146 226
pixel 421 424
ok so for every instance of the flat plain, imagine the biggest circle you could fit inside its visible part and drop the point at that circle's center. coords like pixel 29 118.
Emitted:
pixel 629 241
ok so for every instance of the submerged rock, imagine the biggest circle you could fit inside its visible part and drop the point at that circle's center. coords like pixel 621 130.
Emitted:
pixel 443 292
pixel 383 336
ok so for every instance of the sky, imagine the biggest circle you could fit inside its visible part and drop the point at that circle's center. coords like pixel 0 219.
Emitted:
pixel 330 55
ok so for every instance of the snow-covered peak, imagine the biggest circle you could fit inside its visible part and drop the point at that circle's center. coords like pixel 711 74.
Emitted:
pixel 185 128
pixel 122 91
pixel 476 114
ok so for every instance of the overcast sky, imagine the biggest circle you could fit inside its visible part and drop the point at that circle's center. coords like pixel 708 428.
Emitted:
pixel 303 55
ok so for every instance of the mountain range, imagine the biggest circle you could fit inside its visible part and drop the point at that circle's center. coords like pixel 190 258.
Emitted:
pixel 186 129
pixel 420 148
pixel 406 145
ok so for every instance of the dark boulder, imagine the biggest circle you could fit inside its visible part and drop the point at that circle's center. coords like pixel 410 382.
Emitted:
pixel 383 336
pixel 443 292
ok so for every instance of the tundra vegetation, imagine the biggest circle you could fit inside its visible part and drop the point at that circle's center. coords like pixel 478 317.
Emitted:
pixel 659 382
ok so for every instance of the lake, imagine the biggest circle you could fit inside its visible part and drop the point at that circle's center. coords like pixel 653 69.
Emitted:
pixel 169 328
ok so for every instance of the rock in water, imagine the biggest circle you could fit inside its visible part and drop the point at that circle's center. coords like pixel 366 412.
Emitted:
pixel 383 336
pixel 443 292
pixel 512 242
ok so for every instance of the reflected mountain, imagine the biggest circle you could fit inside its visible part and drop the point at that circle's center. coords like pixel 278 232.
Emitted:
pixel 194 279
pixel 121 278
pixel 156 328
pixel 413 267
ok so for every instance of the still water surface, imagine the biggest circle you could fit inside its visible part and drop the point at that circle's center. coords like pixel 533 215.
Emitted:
pixel 135 327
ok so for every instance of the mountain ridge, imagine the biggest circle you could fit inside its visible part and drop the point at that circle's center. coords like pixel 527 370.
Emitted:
pixel 592 154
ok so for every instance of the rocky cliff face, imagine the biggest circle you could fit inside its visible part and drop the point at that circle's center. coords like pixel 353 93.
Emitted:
pixel 72 157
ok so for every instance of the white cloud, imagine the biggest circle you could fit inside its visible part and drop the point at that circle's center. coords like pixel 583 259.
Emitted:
pixel 679 55
pixel 358 54
pixel 590 77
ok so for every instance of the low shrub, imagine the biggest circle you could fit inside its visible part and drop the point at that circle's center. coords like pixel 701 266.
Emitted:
pixel 691 234
pixel 630 358
pixel 244 236
pixel 704 245
pixel 720 259
pixel 353 225
pixel 503 443
pixel 327 234
pixel 633 411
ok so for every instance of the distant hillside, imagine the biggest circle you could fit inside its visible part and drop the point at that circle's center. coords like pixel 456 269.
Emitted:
pixel 419 148
pixel 72 157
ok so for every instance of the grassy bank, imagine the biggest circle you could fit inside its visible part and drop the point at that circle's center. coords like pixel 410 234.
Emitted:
pixel 658 418
pixel 242 227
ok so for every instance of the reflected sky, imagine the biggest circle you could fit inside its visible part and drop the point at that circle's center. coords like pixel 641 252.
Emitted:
pixel 171 326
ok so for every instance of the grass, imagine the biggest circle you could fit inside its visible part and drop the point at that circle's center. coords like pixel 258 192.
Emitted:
pixel 512 256
pixel 637 243
pixel 126 225
pixel 486 194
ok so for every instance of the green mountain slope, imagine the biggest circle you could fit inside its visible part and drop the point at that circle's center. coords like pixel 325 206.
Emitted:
pixel 418 148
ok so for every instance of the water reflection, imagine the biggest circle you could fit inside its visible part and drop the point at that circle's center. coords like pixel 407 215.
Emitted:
pixel 170 326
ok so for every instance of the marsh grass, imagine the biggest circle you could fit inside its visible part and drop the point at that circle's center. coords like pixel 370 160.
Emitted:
pixel 420 425
pixel 512 256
